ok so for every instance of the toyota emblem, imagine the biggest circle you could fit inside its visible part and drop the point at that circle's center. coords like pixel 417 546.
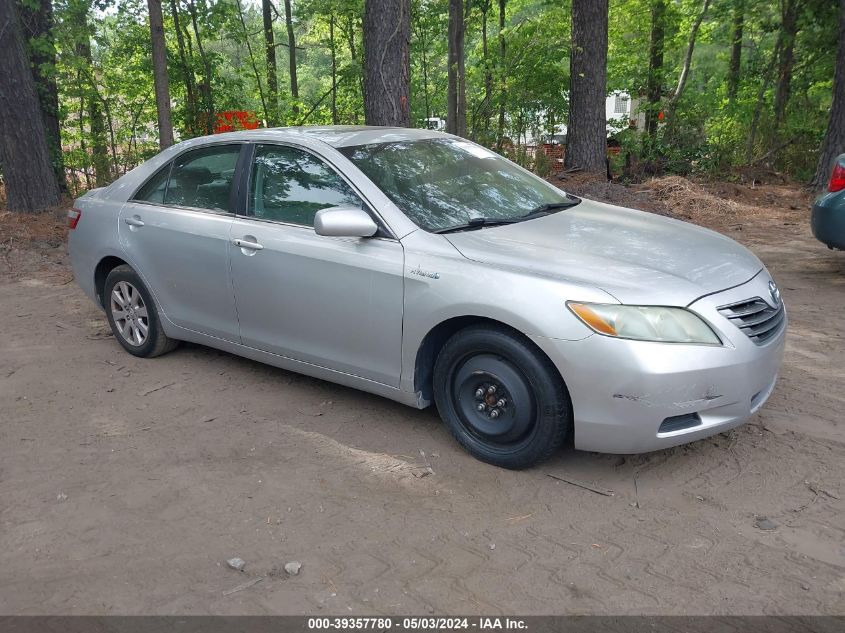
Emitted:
pixel 773 290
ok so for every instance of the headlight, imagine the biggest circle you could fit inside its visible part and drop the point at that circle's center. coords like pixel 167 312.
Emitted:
pixel 645 323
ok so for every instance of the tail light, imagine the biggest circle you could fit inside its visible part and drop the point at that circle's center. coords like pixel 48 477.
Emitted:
pixel 837 178
pixel 73 218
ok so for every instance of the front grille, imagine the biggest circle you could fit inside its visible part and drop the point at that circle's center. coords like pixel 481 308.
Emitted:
pixel 755 317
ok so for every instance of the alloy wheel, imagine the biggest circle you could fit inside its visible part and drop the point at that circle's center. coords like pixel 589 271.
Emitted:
pixel 129 313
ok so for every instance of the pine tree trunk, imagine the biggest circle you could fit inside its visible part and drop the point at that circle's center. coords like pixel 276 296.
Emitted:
pixel 586 137
pixel 789 28
pixel 205 88
pixel 37 23
pixel 83 147
pixel 112 143
pixel 272 70
pixel 333 50
pixel 252 62
pixel 655 66
pixel 456 109
pixel 28 172
pixel 294 84
pixel 761 97
pixel 687 63
pixel 96 123
pixel 834 138
pixel 735 68
pixel 488 73
pixel 353 54
pixel 387 35
pixel 503 83
pixel 160 78
pixel 99 145
pixel 187 71
pixel 462 75
pixel 349 34
pixel 684 75
pixel 424 58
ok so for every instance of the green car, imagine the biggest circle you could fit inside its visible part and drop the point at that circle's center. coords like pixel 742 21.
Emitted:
pixel 828 219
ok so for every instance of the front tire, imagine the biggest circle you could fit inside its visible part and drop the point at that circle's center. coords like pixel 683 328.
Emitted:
pixel 501 398
pixel 132 314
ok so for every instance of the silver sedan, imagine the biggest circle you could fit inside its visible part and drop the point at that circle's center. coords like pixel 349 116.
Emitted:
pixel 425 268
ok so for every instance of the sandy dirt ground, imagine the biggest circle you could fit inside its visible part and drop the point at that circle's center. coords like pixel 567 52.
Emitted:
pixel 126 484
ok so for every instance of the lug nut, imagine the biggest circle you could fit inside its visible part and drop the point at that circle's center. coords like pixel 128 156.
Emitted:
pixel 501 402
pixel 491 389
pixel 481 407
pixel 479 393
pixel 494 413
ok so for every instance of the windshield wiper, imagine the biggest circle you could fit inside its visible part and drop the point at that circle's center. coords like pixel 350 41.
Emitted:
pixel 477 223
pixel 550 207
pixel 536 212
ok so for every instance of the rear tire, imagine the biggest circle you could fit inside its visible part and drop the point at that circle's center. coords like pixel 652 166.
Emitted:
pixel 501 397
pixel 133 316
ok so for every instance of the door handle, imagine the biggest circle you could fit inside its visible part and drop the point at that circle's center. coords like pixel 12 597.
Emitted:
pixel 255 246
pixel 134 221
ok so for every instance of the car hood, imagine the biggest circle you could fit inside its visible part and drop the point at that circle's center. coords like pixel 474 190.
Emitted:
pixel 637 257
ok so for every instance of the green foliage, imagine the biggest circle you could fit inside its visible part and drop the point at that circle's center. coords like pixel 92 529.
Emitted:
pixel 708 132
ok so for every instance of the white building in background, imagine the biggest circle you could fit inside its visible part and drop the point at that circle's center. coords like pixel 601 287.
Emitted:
pixel 434 123
pixel 618 111
pixel 621 111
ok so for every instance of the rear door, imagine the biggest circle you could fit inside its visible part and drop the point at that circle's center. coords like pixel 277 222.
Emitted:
pixel 175 231
pixel 329 301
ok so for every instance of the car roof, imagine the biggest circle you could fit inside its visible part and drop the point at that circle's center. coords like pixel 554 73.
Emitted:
pixel 334 135
pixel 346 135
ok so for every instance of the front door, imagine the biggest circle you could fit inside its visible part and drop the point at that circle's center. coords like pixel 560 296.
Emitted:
pixel 175 231
pixel 329 301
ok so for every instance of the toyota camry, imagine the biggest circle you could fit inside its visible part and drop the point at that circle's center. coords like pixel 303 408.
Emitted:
pixel 424 268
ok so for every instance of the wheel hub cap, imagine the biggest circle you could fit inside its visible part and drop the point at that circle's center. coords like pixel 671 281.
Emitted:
pixel 494 400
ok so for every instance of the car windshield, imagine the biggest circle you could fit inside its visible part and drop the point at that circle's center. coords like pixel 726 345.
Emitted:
pixel 445 183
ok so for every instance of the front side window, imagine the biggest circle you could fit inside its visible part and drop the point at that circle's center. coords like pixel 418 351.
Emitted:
pixel 202 178
pixel 290 185
pixel 443 183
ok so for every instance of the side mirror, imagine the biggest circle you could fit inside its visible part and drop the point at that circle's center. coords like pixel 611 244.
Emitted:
pixel 344 222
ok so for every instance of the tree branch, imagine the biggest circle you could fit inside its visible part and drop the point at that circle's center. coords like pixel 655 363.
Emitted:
pixel 682 80
pixel 320 100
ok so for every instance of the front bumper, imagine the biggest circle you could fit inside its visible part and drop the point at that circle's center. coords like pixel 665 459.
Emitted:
pixel 828 219
pixel 622 391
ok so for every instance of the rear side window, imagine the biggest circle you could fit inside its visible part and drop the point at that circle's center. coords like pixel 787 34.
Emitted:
pixel 201 179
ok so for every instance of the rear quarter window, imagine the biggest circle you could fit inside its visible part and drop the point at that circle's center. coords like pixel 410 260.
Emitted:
pixel 153 190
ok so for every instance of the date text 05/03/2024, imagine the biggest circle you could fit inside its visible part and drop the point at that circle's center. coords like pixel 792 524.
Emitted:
pixel 428 623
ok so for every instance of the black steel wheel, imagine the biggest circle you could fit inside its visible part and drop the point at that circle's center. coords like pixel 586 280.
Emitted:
pixel 501 397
